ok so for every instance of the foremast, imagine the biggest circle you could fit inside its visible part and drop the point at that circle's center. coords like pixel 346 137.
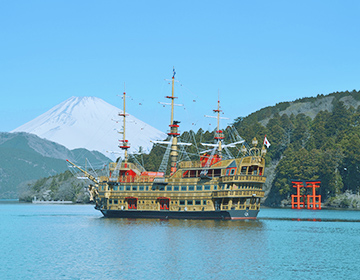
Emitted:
pixel 174 133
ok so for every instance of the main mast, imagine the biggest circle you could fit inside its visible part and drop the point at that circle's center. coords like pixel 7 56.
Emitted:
pixel 173 130
pixel 124 144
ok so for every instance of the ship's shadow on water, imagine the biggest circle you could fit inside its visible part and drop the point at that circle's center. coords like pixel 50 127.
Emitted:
pixel 185 223
pixel 266 216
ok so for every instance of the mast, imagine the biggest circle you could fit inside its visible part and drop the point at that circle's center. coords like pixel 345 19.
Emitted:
pixel 219 136
pixel 173 131
pixel 124 144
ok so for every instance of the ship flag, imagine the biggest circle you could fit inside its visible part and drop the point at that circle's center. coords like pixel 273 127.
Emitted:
pixel 266 142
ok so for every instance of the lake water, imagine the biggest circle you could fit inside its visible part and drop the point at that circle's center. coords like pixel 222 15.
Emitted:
pixel 76 242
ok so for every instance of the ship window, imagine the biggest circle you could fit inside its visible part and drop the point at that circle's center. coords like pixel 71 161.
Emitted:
pixel 102 188
pixel 134 188
pixel 110 201
pixel 176 188
pixel 115 188
pixel 191 188
pixel 182 202
pixel 227 186
pixel 243 170
pixel 197 202
pixel 215 187
pixel 169 188
pixel 217 173
pixel 121 188
pixel 192 173
pixel 147 188
pixel 183 188
pixel 115 201
pixel 141 188
pixel 199 188
pixel 128 188
pixel 207 187
pixel 189 202
pixel 204 202
pixel 162 188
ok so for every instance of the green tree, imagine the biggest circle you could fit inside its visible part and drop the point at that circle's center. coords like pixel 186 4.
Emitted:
pixel 338 121
pixel 301 133
pixel 318 130
pixel 350 167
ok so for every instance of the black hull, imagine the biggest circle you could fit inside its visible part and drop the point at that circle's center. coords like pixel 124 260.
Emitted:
pixel 210 215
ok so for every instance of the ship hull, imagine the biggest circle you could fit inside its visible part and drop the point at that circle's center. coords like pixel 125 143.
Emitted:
pixel 209 215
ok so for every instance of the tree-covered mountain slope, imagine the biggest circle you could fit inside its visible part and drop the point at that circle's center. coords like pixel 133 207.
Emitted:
pixel 314 142
pixel 315 138
pixel 318 140
pixel 26 157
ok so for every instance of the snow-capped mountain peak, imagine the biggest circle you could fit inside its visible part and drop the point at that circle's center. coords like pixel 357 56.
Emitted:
pixel 93 124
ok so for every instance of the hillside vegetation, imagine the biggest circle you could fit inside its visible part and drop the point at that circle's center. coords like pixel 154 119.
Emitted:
pixel 324 147
pixel 25 157
pixel 313 138
pixel 63 186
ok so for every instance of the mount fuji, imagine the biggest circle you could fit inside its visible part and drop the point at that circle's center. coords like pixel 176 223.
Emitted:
pixel 93 124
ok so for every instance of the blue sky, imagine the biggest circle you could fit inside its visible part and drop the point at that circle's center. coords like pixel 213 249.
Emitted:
pixel 255 53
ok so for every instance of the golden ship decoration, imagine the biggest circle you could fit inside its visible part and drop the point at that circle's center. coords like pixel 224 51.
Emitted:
pixel 213 187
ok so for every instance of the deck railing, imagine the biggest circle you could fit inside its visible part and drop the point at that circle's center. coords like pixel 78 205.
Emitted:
pixel 237 193
pixel 244 178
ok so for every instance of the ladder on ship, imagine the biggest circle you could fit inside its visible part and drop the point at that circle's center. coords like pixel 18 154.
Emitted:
pixel 165 159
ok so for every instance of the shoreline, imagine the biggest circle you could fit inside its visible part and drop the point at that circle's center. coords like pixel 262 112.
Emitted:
pixel 14 200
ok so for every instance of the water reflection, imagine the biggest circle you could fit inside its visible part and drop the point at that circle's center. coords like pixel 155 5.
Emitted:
pixel 76 242
pixel 312 220
pixel 302 215
pixel 186 248
pixel 185 223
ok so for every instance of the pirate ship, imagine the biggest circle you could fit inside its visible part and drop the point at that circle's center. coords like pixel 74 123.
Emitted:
pixel 213 187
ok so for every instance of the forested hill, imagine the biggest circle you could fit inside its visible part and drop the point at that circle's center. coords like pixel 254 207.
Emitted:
pixel 310 106
pixel 25 157
pixel 314 138
pixel 311 139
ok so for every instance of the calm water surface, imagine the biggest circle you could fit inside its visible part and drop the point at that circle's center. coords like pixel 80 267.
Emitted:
pixel 76 242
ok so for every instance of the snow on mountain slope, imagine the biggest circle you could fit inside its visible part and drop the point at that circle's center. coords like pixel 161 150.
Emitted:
pixel 93 124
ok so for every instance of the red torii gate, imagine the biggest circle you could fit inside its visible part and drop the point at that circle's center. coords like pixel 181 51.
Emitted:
pixel 310 201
